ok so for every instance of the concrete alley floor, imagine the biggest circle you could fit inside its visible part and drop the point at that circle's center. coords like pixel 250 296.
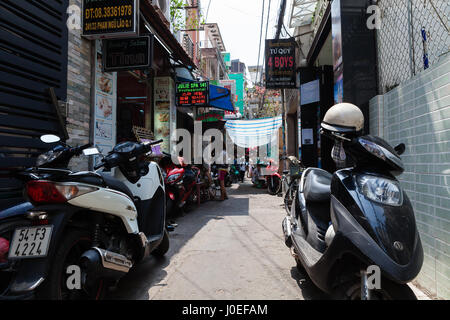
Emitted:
pixel 231 250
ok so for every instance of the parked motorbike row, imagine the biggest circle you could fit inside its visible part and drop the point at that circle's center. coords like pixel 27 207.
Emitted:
pixel 354 232
pixel 79 233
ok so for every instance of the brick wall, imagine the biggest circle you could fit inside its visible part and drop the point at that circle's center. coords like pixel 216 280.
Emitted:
pixel 417 113
pixel 78 92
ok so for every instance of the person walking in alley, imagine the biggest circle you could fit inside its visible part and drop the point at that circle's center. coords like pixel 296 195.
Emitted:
pixel 242 169
pixel 223 171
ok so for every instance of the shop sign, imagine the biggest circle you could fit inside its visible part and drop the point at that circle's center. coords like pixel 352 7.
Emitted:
pixel 105 125
pixel 103 19
pixel 230 85
pixel 280 64
pixel 165 112
pixel 211 116
pixel 192 94
pixel 128 54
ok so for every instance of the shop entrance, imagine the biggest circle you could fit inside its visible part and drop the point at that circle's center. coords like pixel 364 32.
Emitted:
pixel 316 151
pixel 133 104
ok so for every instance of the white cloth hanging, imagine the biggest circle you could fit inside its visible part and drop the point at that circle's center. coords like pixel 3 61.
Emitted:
pixel 253 133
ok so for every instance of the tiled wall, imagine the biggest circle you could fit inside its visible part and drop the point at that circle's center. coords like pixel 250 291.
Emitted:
pixel 417 113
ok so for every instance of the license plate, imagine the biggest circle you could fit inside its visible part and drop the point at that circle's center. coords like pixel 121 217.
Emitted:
pixel 30 242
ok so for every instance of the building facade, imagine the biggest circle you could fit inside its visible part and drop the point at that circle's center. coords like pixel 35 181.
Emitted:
pixel 395 67
pixel 91 106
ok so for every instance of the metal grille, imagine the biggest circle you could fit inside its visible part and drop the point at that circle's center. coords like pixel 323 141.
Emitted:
pixel 401 48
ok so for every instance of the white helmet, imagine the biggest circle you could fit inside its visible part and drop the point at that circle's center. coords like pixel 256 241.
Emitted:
pixel 344 118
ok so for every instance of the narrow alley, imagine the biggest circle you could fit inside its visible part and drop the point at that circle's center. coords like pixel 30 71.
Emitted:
pixel 230 250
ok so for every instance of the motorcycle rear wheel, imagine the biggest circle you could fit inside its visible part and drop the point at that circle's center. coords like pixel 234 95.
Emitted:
pixel 72 246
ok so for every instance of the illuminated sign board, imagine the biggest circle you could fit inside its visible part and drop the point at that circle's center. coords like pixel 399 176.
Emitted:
pixel 127 54
pixel 110 18
pixel 192 94
pixel 280 64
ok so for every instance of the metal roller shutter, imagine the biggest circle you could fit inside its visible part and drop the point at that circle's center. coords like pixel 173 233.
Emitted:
pixel 33 58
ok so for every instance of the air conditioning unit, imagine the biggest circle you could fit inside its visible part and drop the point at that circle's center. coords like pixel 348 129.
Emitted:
pixel 163 9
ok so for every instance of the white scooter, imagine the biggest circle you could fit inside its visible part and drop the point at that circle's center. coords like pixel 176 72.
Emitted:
pixel 101 223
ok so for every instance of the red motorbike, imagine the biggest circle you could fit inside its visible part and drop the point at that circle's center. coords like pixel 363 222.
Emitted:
pixel 265 174
pixel 180 183
pixel 273 178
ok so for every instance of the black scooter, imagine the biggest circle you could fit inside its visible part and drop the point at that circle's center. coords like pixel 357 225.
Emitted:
pixel 354 232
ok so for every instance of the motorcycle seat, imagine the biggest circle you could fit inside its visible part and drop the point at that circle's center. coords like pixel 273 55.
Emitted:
pixel 116 185
pixel 317 186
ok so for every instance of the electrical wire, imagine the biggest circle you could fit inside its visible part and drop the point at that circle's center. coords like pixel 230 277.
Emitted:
pixel 267 28
pixel 287 32
pixel 260 36
pixel 207 11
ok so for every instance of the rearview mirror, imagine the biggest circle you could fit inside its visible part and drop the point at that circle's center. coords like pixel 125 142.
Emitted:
pixel 400 149
pixel 91 152
pixel 50 138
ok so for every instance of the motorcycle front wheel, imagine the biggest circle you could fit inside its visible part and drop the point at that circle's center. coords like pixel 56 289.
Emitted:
pixel 274 185
pixel 389 291
pixel 163 247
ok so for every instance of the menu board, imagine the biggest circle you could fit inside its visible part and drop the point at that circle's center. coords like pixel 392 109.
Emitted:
pixel 164 111
pixel 280 64
pixel 192 94
pixel 110 18
pixel 105 106
pixel 127 54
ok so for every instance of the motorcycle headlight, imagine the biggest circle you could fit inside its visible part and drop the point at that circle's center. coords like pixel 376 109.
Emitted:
pixel 47 157
pixel 380 190
pixel 173 178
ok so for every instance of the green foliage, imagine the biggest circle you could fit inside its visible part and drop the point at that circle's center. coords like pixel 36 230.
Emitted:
pixel 177 17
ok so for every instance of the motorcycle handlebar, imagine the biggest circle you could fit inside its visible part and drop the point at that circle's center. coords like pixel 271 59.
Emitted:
pixel 99 166
pixel 79 150
pixel 148 146
pixel 112 162
pixel 156 142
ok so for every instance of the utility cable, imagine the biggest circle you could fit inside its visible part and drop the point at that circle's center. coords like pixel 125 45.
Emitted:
pixel 207 11
pixel 280 19
pixel 267 27
pixel 260 36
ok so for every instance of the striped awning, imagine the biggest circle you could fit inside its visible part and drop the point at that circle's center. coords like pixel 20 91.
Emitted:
pixel 253 133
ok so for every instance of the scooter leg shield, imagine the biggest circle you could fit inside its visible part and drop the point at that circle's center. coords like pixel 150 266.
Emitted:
pixel 345 224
